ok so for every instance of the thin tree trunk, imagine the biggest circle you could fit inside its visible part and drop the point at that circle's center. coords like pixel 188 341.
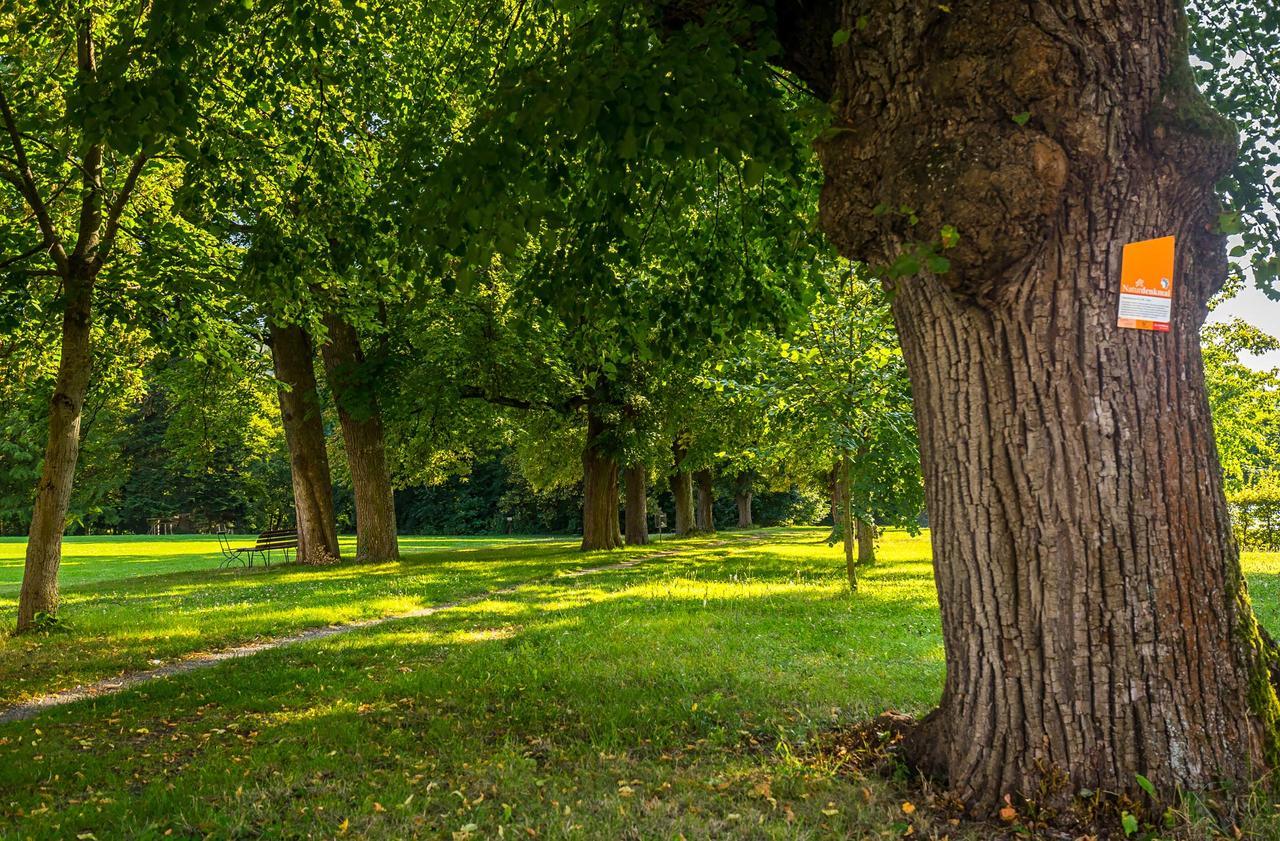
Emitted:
pixel 39 593
pixel 833 490
pixel 637 507
pixel 705 518
pixel 742 498
pixel 866 541
pixel 361 419
pixel 1095 620
pixel 846 521
pixel 682 490
pixel 599 490
pixel 292 356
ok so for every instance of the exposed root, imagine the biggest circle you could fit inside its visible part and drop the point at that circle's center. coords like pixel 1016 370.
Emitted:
pixel 911 751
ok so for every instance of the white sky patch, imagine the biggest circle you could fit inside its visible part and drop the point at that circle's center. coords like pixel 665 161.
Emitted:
pixel 1252 306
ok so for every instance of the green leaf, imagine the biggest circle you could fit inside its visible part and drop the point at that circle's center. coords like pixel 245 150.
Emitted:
pixel 1229 223
pixel 1021 119
pixel 950 236
pixel 905 266
pixel 1145 784
pixel 1129 823
pixel 938 264
pixel 840 38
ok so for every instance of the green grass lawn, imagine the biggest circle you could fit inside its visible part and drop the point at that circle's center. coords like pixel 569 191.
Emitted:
pixel 130 601
pixel 678 698
pixel 88 560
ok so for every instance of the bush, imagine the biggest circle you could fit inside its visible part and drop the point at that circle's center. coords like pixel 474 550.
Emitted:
pixel 1255 515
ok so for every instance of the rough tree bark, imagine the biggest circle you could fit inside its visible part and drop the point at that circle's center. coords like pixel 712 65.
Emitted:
pixel 292 356
pixel 1095 620
pixel 637 506
pixel 361 419
pixel 682 489
pixel 39 593
pixel 705 516
pixel 599 490
pixel 866 533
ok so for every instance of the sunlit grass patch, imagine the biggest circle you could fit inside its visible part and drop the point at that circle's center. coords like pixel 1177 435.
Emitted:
pixel 686 696
pixel 129 621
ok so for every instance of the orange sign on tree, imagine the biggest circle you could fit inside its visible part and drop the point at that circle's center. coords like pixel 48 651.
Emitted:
pixel 1146 285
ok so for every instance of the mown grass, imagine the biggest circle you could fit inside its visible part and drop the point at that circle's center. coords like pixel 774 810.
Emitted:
pixel 131 602
pixel 679 698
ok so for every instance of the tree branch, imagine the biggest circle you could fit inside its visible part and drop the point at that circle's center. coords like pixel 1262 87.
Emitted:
pixel 25 255
pixel 89 230
pixel 25 182
pixel 117 208
pixel 567 407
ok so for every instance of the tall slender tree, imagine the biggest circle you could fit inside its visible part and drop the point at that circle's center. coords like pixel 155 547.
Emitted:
pixel 359 411
pixel 90 95
pixel 293 357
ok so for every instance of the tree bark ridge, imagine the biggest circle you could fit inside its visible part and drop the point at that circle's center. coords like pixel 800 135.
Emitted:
pixel 300 413
pixel 1095 620
pixel 362 432
pixel 637 506
pixel 39 594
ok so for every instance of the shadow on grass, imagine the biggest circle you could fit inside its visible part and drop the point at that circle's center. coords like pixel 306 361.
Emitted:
pixel 124 625
pixel 541 698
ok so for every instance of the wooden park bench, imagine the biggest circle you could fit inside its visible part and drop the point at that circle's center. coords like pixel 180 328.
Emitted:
pixel 276 540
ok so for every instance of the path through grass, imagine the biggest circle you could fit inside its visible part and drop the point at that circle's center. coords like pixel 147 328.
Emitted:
pixel 132 603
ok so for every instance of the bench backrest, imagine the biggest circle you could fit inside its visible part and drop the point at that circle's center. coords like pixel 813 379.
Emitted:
pixel 278 539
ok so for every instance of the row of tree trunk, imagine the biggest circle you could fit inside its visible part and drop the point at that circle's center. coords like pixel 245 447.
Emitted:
pixel 694 513
pixel 293 358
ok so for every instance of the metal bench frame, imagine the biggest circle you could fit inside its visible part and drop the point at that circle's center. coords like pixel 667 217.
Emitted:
pixel 275 540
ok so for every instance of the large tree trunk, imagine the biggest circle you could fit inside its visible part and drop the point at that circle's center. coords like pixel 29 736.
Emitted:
pixel 1094 616
pixel 361 419
pixel 599 490
pixel 637 507
pixel 682 490
pixel 742 498
pixel 39 593
pixel 705 517
pixel 292 356
pixel 866 541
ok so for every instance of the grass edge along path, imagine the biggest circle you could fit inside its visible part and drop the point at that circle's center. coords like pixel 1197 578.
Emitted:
pixel 203 660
